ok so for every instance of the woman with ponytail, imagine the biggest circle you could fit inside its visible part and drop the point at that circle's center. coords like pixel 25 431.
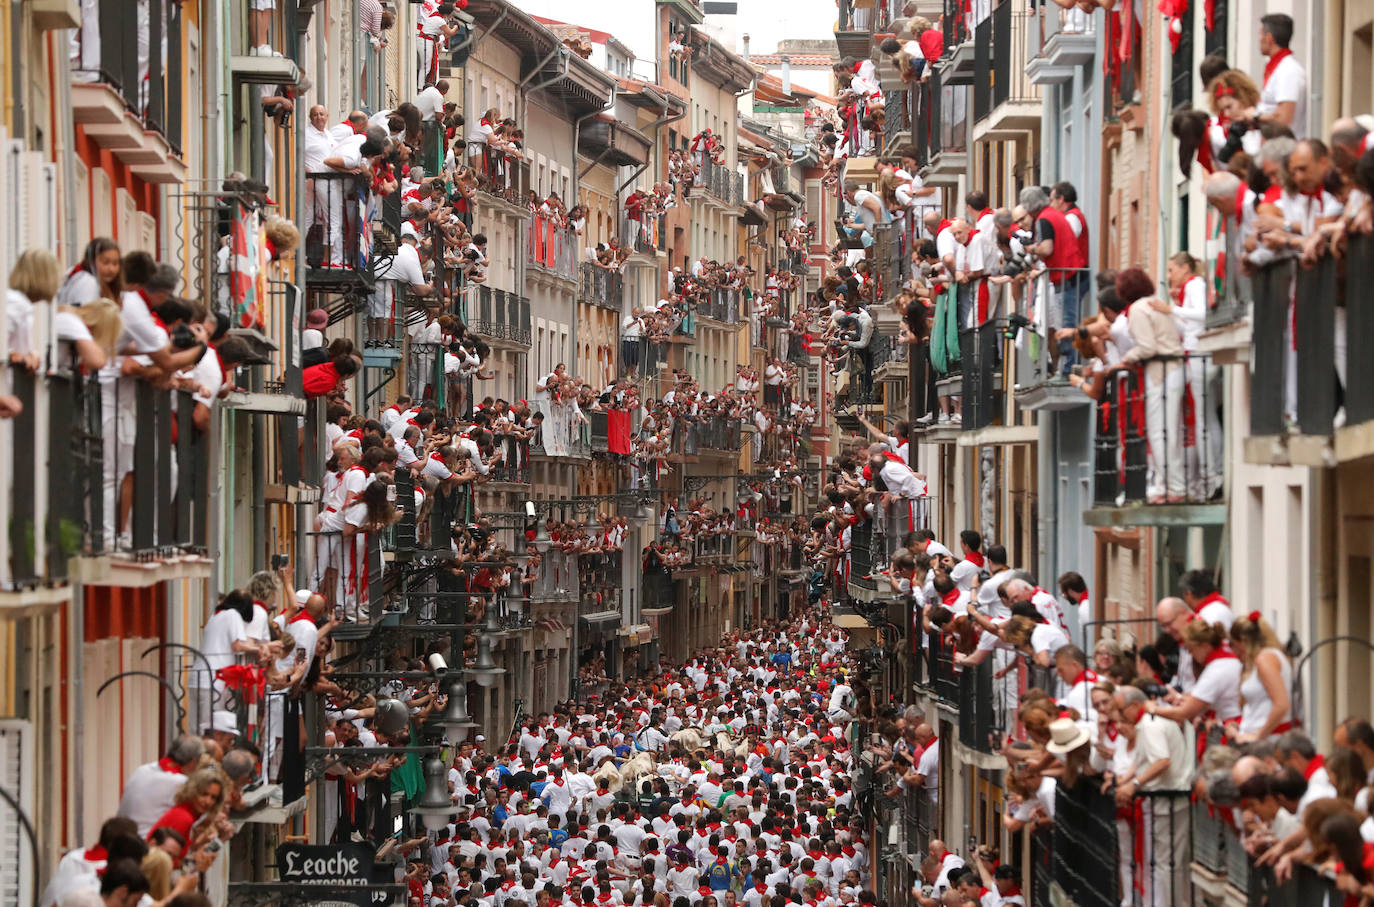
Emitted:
pixel 1266 678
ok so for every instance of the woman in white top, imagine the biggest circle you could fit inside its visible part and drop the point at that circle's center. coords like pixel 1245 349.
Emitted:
pixel 1217 691
pixel 1266 678
pixel 97 276
pixel 1189 309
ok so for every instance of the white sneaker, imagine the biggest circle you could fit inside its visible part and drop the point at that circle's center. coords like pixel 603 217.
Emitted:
pixel 956 417
pixel 943 419
pixel 252 51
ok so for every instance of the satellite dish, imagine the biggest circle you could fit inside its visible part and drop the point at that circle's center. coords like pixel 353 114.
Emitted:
pixel 391 716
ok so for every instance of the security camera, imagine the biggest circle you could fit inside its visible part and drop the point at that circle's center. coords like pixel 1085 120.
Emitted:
pixel 529 509
pixel 437 664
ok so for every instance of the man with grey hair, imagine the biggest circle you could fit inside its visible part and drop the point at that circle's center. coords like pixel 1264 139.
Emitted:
pixel 238 766
pixel 1057 247
pixel 983 267
pixel 152 788
pixel 1162 764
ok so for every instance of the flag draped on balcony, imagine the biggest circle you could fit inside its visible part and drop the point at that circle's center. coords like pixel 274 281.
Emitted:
pixel 244 266
pixel 1174 11
pixel 944 338
pixel 618 431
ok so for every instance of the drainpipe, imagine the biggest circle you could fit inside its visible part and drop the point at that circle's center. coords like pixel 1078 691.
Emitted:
pixel 64 141
pixel 577 200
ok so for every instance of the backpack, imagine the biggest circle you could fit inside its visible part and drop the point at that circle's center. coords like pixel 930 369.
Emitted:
pixel 719 876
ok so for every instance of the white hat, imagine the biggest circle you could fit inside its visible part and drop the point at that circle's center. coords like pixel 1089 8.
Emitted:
pixel 1066 736
pixel 408 230
pixel 224 721
pixel 303 596
pixel 480 739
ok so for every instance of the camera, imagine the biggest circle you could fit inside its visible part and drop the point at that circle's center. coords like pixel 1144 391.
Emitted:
pixel 280 560
pixel 437 664
pixel 1017 264
pixel 1024 237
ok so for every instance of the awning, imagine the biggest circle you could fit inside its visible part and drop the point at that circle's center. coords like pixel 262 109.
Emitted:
pixel 602 617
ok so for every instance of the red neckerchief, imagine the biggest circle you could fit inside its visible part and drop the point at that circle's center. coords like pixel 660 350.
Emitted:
pixel 1083 675
pixel 950 597
pixel 1274 62
pixel 300 616
pixel 96 854
pixel 1217 654
pixel 170 767
pixel 1316 763
pixel 975 558
pixel 437 456
pixel 1112 732
pixel 895 458
pixel 1215 596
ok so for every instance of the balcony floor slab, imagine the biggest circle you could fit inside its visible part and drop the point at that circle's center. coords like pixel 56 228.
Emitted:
pixel 1139 514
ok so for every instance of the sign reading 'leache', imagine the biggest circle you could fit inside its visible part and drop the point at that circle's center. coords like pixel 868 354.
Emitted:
pixel 334 867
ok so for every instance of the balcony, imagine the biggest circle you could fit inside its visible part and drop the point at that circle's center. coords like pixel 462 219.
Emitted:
pixel 338 247
pixel 551 249
pixel 957 67
pixel 138 120
pixel 645 237
pixel 1015 98
pixel 272 63
pixel 899 123
pixel 1058 41
pixel 1307 425
pixel 1040 311
pixel 854 29
pixel 890 258
pixel 607 141
pixel 501 177
pixel 720 305
pixel 718 434
pixel 602 287
pixel 502 316
pixel 875 541
pixel 1158 447
pixel 724 185
pixel 642 356
pixel 52 503
pixel 947 138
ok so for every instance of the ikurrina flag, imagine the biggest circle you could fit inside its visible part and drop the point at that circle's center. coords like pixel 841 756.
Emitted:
pixel 246 256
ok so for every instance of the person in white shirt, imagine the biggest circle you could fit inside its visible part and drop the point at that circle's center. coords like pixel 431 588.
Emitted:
pixel 1283 91
pixel 225 636
pixel 430 101
pixel 152 788
pixel 402 271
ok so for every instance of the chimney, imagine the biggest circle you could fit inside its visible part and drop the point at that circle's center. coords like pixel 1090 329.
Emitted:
pixel 786 73
pixel 745 40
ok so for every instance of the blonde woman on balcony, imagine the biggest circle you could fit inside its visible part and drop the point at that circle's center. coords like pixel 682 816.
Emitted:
pixel 1266 678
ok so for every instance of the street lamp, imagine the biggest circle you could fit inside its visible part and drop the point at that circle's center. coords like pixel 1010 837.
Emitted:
pixel 485 671
pixel 392 716
pixel 435 809
pixel 456 721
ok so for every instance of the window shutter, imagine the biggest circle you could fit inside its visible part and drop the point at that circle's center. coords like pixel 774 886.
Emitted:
pixel 16 777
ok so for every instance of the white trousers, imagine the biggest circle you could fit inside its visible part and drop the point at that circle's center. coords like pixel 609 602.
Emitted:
pixel 1164 428
pixel 1204 381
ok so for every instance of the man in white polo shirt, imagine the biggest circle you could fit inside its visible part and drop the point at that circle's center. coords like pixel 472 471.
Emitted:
pixel 1283 87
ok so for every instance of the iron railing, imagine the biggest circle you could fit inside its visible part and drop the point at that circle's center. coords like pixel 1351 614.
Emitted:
pixel 1296 365
pixel 338 235
pixel 721 182
pixel 502 315
pixel 602 287
pixel 980 355
pixel 551 246
pixel 499 173
pixel 1159 435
